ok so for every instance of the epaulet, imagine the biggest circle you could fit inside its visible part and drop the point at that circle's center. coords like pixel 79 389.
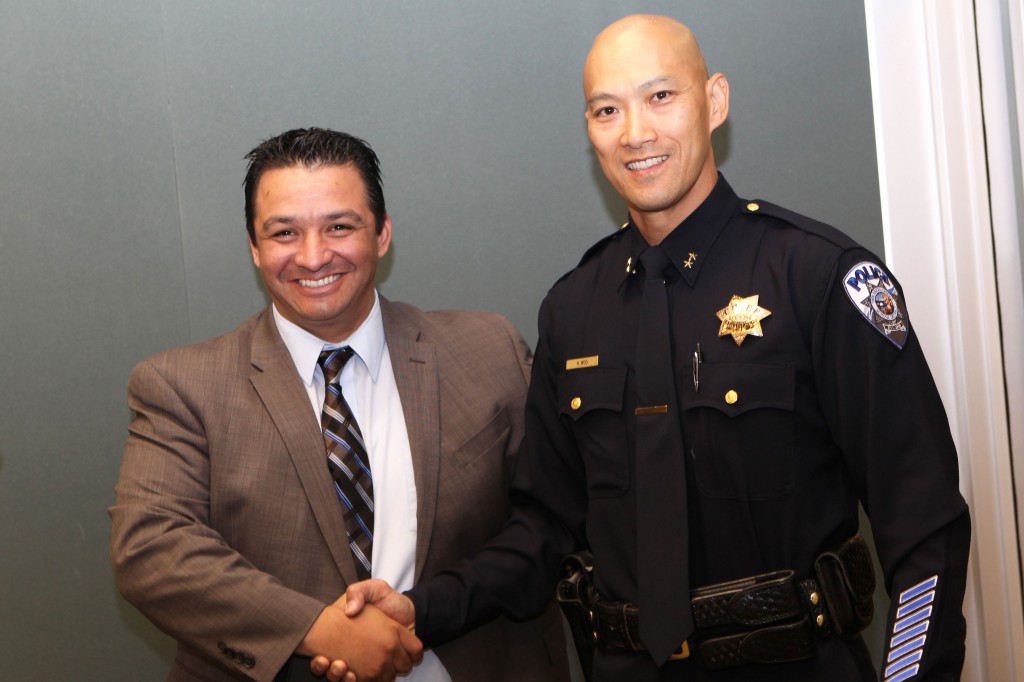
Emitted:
pixel 592 251
pixel 589 253
pixel 810 225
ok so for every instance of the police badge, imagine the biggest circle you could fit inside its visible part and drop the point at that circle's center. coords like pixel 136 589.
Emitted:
pixel 873 294
pixel 742 318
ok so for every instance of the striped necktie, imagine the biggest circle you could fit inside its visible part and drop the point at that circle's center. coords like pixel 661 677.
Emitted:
pixel 347 461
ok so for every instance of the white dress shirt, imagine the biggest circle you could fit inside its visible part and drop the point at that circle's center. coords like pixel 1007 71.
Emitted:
pixel 368 385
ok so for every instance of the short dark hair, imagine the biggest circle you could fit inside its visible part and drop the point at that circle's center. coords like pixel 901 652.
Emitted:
pixel 312 148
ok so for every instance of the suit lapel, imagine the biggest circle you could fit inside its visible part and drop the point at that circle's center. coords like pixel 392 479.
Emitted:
pixel 414 362
pixel 279 387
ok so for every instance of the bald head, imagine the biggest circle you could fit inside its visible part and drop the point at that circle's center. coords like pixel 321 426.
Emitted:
pixel 647 33
pixel 651 108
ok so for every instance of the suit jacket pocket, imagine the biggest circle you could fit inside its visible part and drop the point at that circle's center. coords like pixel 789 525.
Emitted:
pixel 490 440
pixel 592 399
pixel 739 430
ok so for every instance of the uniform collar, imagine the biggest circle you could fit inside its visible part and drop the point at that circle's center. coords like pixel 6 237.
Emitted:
pixel 688 244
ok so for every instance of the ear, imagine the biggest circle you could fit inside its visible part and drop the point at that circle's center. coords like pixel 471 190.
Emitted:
pixel 255 253
pixel 384 237
pixel 718 99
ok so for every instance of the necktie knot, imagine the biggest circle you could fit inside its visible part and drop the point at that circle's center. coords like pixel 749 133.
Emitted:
pixel 332 361
pixel 654 261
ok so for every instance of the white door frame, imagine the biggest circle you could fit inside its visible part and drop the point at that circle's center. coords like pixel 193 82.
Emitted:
pixel 939 239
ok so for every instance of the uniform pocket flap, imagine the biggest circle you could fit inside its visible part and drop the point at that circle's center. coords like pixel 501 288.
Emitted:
pixel 598 388
pixel 737 387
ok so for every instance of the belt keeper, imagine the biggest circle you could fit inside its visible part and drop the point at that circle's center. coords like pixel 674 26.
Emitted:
pixel 815 602
pixel 635 646
pixel 594 624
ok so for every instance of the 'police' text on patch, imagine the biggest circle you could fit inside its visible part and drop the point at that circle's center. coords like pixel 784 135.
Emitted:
pixel 874 295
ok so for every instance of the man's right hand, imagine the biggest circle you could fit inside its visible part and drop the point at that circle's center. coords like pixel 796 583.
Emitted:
pixel 378 593
pixel 373 646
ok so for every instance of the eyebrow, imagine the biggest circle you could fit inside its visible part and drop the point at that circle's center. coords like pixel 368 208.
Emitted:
pixel 658 80
pixel 643 87
pixel 352 216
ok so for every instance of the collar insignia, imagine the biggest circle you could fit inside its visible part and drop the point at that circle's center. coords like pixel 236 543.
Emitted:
pixel 742 318
pixel 688 263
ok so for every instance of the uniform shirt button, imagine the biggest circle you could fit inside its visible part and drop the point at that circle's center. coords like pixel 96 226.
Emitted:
pixel 731 397
pixel 753 206
pixel 575 403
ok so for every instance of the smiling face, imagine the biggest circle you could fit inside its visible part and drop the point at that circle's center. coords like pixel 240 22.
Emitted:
pixel 650 112
pixel 317 246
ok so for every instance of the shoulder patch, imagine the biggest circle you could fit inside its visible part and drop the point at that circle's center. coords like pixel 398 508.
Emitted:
pixel 872 292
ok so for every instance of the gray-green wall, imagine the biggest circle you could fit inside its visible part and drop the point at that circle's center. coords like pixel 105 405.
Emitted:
pixel 122 130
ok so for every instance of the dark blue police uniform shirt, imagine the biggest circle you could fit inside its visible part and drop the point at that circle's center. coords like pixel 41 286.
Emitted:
pixel 784 433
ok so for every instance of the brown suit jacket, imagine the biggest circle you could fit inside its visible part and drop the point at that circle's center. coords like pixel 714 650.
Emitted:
pixel 227 532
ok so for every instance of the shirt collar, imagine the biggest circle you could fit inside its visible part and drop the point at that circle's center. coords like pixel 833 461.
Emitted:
pixel 367 342
pixel 688 244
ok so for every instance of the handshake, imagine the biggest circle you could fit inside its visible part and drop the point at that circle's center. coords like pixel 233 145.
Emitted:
pixel 366 635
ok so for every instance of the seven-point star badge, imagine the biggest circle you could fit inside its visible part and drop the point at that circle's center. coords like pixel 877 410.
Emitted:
pixel 742 317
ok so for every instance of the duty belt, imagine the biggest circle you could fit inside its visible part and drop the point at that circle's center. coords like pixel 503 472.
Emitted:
pixel 764 619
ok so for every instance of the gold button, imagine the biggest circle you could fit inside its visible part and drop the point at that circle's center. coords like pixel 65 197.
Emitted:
pixel 820 620
pixel 731 397
pixel 814 598
pixel 753 206
pixel 575 403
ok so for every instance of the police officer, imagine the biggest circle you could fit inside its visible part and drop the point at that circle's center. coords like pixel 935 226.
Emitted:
pixel 718 496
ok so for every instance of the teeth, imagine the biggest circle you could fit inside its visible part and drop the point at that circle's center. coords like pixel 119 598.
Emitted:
pixel 312 283
pixel 646 163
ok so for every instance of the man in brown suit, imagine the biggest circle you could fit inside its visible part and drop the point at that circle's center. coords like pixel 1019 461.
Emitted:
pixel 229 531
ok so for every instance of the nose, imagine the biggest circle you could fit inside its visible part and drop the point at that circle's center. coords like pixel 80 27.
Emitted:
pixel 313 253
pixel 637 129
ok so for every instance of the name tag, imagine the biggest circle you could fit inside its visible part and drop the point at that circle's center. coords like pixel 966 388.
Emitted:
pixel 577 363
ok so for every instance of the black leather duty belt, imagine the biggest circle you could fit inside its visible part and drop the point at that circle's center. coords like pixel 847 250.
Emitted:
pixel 763 619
